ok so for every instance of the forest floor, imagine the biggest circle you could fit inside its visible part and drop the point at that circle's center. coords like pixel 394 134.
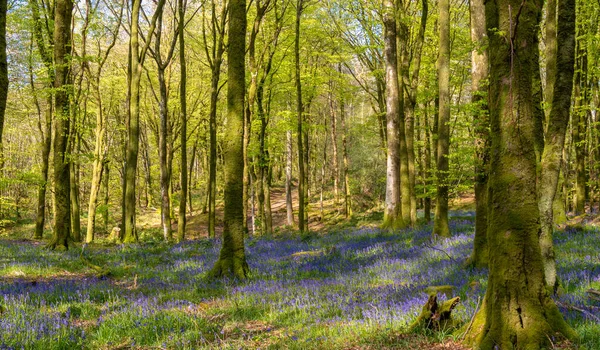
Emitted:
pixel 347 286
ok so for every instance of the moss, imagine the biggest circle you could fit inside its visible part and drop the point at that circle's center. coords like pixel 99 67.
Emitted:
pixel 435 316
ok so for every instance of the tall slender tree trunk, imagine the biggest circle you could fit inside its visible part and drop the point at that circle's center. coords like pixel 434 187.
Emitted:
pixel 183 192
pixel 334 148
pixel 300 116
pixel 402 66
pixel 105 211
pixel 3 74
pixel 288 179
pixel 74 193
pixel 216 59
pixel 550 43
pixel 410 104
pixel 346 162
pixel 427 170
pixel 517 311
pixel 555 136
pixel 46 147
pixel 46 131
pixel 393 218
pixel 232 259
pixel 97 168
pixel 481 124
pixel 165 198
pixel 129 233
pixel 440 227
pixel 62 50
pixel 579 128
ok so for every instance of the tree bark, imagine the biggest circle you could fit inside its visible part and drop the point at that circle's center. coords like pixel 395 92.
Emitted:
pixel 555 137
pixel 393 218
pixel 232 259
pixel 288 179
pixel 440 227
pixel 3 74
pixel 183 192
pixel 62 50
pixel 216 59
pixel 517 311
pixel 300 115
pixel 481 124
pixel 346 162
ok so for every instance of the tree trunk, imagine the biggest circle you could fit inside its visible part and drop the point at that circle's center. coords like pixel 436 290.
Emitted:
pixel 393 218
pixel 105 212
pixel 288 179
pixel 183 193
pixel 440 227
pixel 580 124
pixel 74 196
pixel 129 233
pixel 410 104
pixel 216 59
pixel 3 74
pixel 517 311
pixel 46 146
pixel 97 167
pixel 165 199
pixel 427 169
pixel 346 172
pixel 62 50
pixel 481 124
pixel 336 168
pixel 232 259
pixel 300 111
pixel 555 137
pixel 551 54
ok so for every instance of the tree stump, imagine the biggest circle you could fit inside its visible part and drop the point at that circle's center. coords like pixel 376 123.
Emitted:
pixel 435 316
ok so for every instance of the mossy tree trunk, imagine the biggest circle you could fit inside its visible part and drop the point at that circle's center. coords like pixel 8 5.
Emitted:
pixel 215 55
pixel 62 50
pixel 517 311
pixel 137 56
pixel 410 104
pixel 555 136
pixel 392 218
pixel 3 73
pixel 579 126
pixel 481 125
pixel 302 183
pixel 346 162
pixel 41 37
pixel 232 259
pixel 183 192
pixel 440 226
pixel 402 128
pixel 288 178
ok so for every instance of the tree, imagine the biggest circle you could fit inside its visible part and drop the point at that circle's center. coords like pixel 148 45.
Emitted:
pixel 232 259
pixel 62 50
pixel 392 218
pixel 162 64
pixel 181 223
pixel 440 227
pixel 137 57
pixel 100 148
pixel 3 73
pixel 42 33
pixel 302 185
pixel 214 55
pixel 556 130
pixel 479 74
pixel 517 310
